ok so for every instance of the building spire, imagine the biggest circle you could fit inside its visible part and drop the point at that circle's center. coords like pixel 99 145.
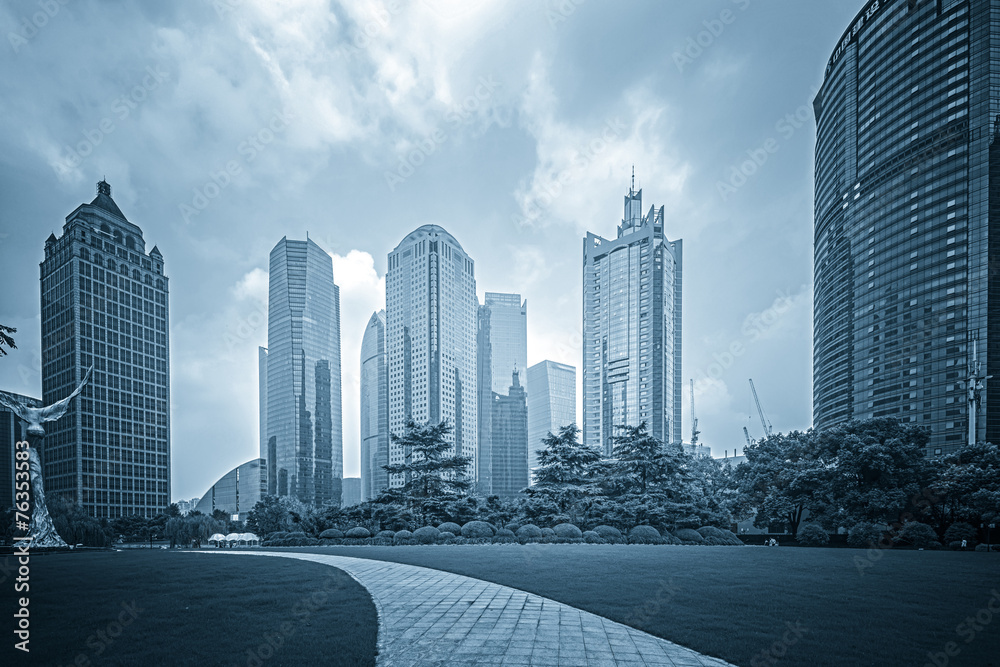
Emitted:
pixel 632 189
pixel 103 187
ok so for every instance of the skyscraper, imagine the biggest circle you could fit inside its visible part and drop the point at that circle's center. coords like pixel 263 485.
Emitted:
pixel 304 442
pixel 907 207
pixel 262 409
pixel 506 470
pixel 374 408
pixel 502 347
pixel 12 430
pixel 551 403
pixel 632 329
pixel 237 491
pixel 104 304
pixel 430 313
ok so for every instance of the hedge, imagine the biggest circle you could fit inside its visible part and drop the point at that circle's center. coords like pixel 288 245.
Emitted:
pixel 644 535
pixel 475 529
pixel 568 531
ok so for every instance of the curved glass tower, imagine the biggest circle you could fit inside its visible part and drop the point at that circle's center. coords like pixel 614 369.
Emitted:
pixel 906 213
pixel 304 443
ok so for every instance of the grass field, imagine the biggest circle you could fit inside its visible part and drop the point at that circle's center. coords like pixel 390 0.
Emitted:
pixel 754 605
pixel 172 608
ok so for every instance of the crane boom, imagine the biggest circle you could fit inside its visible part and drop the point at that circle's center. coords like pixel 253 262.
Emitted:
pixel 760 411
pixel 694 420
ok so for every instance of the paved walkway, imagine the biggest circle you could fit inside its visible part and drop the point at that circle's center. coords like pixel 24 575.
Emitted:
pixel 430 617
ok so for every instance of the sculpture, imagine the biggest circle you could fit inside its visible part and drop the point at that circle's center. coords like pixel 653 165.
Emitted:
pixel 41 530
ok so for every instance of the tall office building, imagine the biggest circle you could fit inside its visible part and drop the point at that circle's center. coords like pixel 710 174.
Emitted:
pixel 507 467
pixel 374 408
pixel 12 430
pixel 430 313
pixel 104 304
pixel 907 208
pixel 262 408
pixel 632 329
pixel 237 491
pixel 551 403
pixel 502 347
pixel 304 441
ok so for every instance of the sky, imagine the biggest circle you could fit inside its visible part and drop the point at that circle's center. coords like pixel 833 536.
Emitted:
pixel 224 125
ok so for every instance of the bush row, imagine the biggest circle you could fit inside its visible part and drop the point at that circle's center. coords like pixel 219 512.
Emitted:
pixel 481 532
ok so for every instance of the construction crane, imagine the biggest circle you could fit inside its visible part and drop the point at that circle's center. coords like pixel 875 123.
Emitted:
pixel 694 420
pixel 760 411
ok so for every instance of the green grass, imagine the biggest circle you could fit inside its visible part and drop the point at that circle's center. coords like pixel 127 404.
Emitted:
pixel 734 603
pixel 191 609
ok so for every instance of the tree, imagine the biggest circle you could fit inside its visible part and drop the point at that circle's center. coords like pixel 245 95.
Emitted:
pixel 643 464
pixel 565 471
pixel 781 479
pixel 268 515
pixel 428 470
pixel 6 339
pixel 965 486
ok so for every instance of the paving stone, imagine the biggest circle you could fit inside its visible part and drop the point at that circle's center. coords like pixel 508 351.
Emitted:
pixel 429 617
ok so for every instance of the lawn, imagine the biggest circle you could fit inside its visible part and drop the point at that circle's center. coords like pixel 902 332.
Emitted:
pixel 756 605
pixel 142 607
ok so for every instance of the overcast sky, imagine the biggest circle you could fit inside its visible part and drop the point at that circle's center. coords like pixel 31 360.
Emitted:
pixel 514 125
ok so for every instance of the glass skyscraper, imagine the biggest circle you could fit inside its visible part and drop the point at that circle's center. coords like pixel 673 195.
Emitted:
pixel 304 441
pixel 374 408
pixel 502 348
pixel 237 491
pixel 104 304
pixel 632 329
pixel 907 207
pixel 430 313
pixel 505 472
pixel 551 403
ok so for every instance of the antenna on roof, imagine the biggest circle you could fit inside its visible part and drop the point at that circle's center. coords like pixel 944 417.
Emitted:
pixel 633 180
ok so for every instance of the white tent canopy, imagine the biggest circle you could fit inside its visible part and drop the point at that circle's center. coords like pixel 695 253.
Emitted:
pixel 218 537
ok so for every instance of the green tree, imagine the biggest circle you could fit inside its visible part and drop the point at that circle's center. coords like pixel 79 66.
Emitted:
pixel 430 469
pixel 565 473
pixel 965 486
pixel 6 339
pixel 643 464
pixel 268 515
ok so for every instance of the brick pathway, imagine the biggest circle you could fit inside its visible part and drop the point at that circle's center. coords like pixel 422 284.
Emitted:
pixel 430 617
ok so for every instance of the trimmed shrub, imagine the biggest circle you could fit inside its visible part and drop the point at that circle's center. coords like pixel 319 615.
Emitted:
pixel 592 537
pixel 645 535
pixel 568 531
pixel 445 537
pixel 297 535
pixel 402 537
pixel 988 547
pixel 460 540
pixel 475 529
pixel 960 531
pixel 548 532
pixel 331 541
pixel 426 535
pixel 812 535
pixel 385 534
pixel 504 536
pixel 528 532
pixel 358 533
pixel 331 534
pixel 919 535
pixel 450 527
pixel 380 541
pixel 610 534
pixel 668 538
pixel 865 535
pixel 720 536
pixel 280 535
pixel 512 527
pixel 689 536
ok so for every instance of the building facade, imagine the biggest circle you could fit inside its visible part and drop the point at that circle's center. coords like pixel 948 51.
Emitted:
pixel 505 466
pixel 501 348
pixel 431 310
pixel 907 208
pixel 237 491
pixel 374 409
pixel 551 403
pixel 105 304
pixel 304 438
pixel 12 431
pixel 352 491
pixel 632 329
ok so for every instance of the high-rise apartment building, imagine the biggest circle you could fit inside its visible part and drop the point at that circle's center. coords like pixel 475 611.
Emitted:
pixel 551 403
pixel 374 409
pixel 304 441
pixel 506 469
pixel 430 313
pixel 502 348
pixel 104 304
pixel 907 220
pixel 632 329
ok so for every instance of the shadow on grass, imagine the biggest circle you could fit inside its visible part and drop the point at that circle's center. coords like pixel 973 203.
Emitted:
pixel 174 608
